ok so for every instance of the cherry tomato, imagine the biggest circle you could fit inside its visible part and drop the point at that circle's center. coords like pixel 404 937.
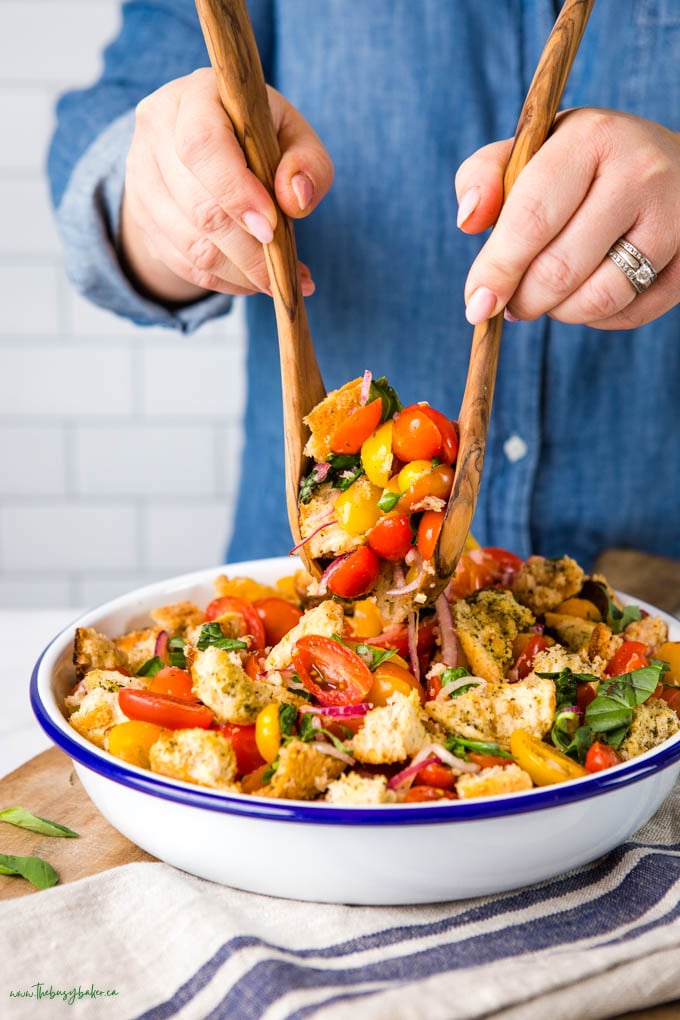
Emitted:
pixel 268 731
pixel 248 758
pixel 670 694
pixel 397 637
pixel 438 482
pixel 415 435
pixel 331 672
pixel 164 710
pixel 585 693
pixel 389 677
pixel 600 756
pixel 483 568
pixel 435 774
pixel 254 665
pixel 428 532
pixel 525 662
pixel 354 574
pixel 546 765
pixel 669 652
pixel 357 427
pixel 392 537
pixel 448 431
pixel 487 761
pixel 421 793
pixel 250 621
pixel 278 617
pixel 132 741
pixel 173 680
pixel 507 561
pixel 367 621
pixel 631 655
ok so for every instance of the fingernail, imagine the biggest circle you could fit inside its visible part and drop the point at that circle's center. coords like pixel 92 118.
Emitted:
pixel 304 190
pixel 256 224
pixel 308 287
pixel 468 204
pixel 480 306
pixel 509 317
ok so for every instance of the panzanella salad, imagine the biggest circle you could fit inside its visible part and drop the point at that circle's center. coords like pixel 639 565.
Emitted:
pixel 526 673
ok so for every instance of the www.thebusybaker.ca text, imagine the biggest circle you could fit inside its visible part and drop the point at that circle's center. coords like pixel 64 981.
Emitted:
pixel 69 995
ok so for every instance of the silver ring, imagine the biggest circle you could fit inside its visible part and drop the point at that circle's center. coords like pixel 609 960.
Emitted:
pixel 633 263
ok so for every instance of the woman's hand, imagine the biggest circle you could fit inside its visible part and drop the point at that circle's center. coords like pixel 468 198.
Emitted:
pixel 600 176
pixel 194 218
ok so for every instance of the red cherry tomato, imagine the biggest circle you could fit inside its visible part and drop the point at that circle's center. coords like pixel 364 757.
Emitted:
pixel 397 637
pixel 331 672
pixel 585 693
pixel 487 761
pixel 250 621
pixel 415 435
pixel 435 774
pixel 508 562
pixel 669 694
pixel 601 756
pixel 525 660
pixel 448 431
pixel 164 710
pixel 354 574
pixel 391 538
pixel 278 617
pixel 242 738
pixel 438 482
pixel 422 793
pixel 482 568
pixel 173 680
pixel 631 655
pixel 428 532
pixel 355 429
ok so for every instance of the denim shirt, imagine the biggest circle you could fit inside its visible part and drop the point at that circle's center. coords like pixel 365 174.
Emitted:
pixel 583 450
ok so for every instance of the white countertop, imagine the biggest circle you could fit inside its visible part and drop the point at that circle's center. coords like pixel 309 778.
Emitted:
pixel 23 634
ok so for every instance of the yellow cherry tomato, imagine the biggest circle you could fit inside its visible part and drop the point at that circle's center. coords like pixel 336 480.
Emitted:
pixel 357 508
pixel 546 765
pixel 367 621
pixel 471 543
pixel 389 677
pixel 377 456
pixel 669 652
pixel 583 608
pixel 268 731
pixel 131 741
pixel 411 472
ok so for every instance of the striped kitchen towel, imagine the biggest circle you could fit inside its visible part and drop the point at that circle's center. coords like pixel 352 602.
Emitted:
pixel 146 941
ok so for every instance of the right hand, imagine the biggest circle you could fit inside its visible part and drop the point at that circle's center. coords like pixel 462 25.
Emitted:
pixel 194 218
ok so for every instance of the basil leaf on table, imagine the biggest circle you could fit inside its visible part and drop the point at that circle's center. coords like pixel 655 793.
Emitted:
pixel 34 869
pixel 23 819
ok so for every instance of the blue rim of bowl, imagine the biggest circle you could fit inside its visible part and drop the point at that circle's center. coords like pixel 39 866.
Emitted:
pixel 436 813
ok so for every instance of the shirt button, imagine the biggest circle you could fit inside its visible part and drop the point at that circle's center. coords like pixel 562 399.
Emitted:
pixel 515 448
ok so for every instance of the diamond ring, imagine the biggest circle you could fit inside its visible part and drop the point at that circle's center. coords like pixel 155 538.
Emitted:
pixel 633 263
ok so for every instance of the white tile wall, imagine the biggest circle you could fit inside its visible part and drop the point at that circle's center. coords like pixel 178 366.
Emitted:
pixel 118 446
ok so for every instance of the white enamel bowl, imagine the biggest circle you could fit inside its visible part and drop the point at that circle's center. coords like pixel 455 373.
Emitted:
pixel 390 854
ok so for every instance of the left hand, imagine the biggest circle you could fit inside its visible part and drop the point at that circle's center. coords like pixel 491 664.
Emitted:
pixel 600 176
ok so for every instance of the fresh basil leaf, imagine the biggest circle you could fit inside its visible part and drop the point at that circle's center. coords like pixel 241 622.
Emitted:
pixel 611 711
pixel 309 485
pixel 287 717
pixel 618 619
pixel 23 819
pixel 344 462
pixel 150 667
pixel 374 656
pixel 176 646
pixel 269 772
pixel 34 869
pixel 388 500
pixel 212 634
pixel 307 729
pixel 565 689
pixel 450 675
pixel 347 478
pixel 565 725
pixel 390 400
pixel 461 745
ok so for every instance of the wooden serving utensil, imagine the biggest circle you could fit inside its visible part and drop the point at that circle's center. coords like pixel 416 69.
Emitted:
pixel 534 126
pixel 236 62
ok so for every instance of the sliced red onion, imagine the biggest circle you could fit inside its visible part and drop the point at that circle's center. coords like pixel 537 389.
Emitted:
pixel 333 752
pixel 537 628
pixel 413 644
pixel 448 689
pixel 447 632
pixel 339 711
pixel 316 531
pixel 406 589
pixel 366 386
pixel 411 771
pixel 459 764
pixel 162 645
pixel 328 573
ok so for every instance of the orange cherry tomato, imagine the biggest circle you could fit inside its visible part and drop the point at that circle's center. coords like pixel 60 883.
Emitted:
pixel 164 710
pixel 389 677
pixel 448 431
pixel 600 756
pixel 670 694
pixel 254 665
pixel 525 662
pixel 331 672
pixel 422 793
pixel 355 574
pixel 415 435
pixel 250 621
pixel 438 482
pixel 391 538
pixel 428 532
pixel 278 617
pixel 173 680
pixel 242 738
pixel 631 655
pixel 359 424
pixel 435 774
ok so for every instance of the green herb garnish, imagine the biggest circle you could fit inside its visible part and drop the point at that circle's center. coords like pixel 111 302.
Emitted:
pixel 176 646
pixel 23 819
pixel 390 400
pixel 461 745
pixel 212 634
pixel 309 732
pixel 34 869
pixel 367 653
pixel 611 710
pixel 269 771
pixel 389 500
pixel 287 718
pixel 450 675
pixel 151 667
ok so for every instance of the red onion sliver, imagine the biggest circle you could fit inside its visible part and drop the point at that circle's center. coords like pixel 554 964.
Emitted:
pixel 410 772
pixel 413 644
pixel 366 386
pixel 316 531
pixel 339 711
pixel 333 752
pixel 321 471
pixel 447 632
pixel 162 645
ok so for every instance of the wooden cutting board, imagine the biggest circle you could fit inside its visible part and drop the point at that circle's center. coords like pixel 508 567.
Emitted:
pixel 48 786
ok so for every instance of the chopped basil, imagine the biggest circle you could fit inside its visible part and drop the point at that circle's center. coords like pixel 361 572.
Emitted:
pixel 269 772
pixel 151 666
pixel 565 728
pixel 461 745
pixel 176 646
pixel 212 634
pixel 287 717
pixel 389 500
pixel 345 469
pixel 37 871
pixel 23 819
pixel 611 711
pixel 310 732
pixel 309 485
pixel 390 400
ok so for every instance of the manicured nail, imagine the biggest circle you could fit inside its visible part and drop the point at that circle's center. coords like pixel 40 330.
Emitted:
pixel 468 204
pixel 509 317
pixel 256 224
pixel 308 286
pixel 304 190
pixel 480 306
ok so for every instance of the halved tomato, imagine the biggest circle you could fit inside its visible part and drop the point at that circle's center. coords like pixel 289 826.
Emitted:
pixel 357 427
pixel 164 710
pixel 435 774
pixel 250 621
pixel 242 738
pixel 629 656
pixel 331 672
pixel 354 574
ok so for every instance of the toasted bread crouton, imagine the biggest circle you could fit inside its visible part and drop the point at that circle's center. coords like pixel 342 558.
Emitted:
pixel 97 713
pixel 109 680
pixel 392 732
pixel 92 650
pixel 197 756
pixel 352 788
pixel 324 419
pixel 653 722
pixel 602 643
pixel 572 631
pixel 489 782
pixel 138 646
pixel 487 623
pixel 650 630
pixel 556 658
pixel 222 684
pixel 177 617
pixel 302 773
pixel 326 620
pixel 541 584
pixel 325 536
pixel 492 711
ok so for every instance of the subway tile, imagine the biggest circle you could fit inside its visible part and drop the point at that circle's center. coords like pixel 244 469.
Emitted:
pixel 89 320
pixel 29 293
pixel 68 536
pixel 185 537
pixel 69 381
pixel 193 381
pixel 34 592
pixel 229 441
pixel 31 460
pixel 91 590
pixel 143 460
pixel 28 226
pixel 26 119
